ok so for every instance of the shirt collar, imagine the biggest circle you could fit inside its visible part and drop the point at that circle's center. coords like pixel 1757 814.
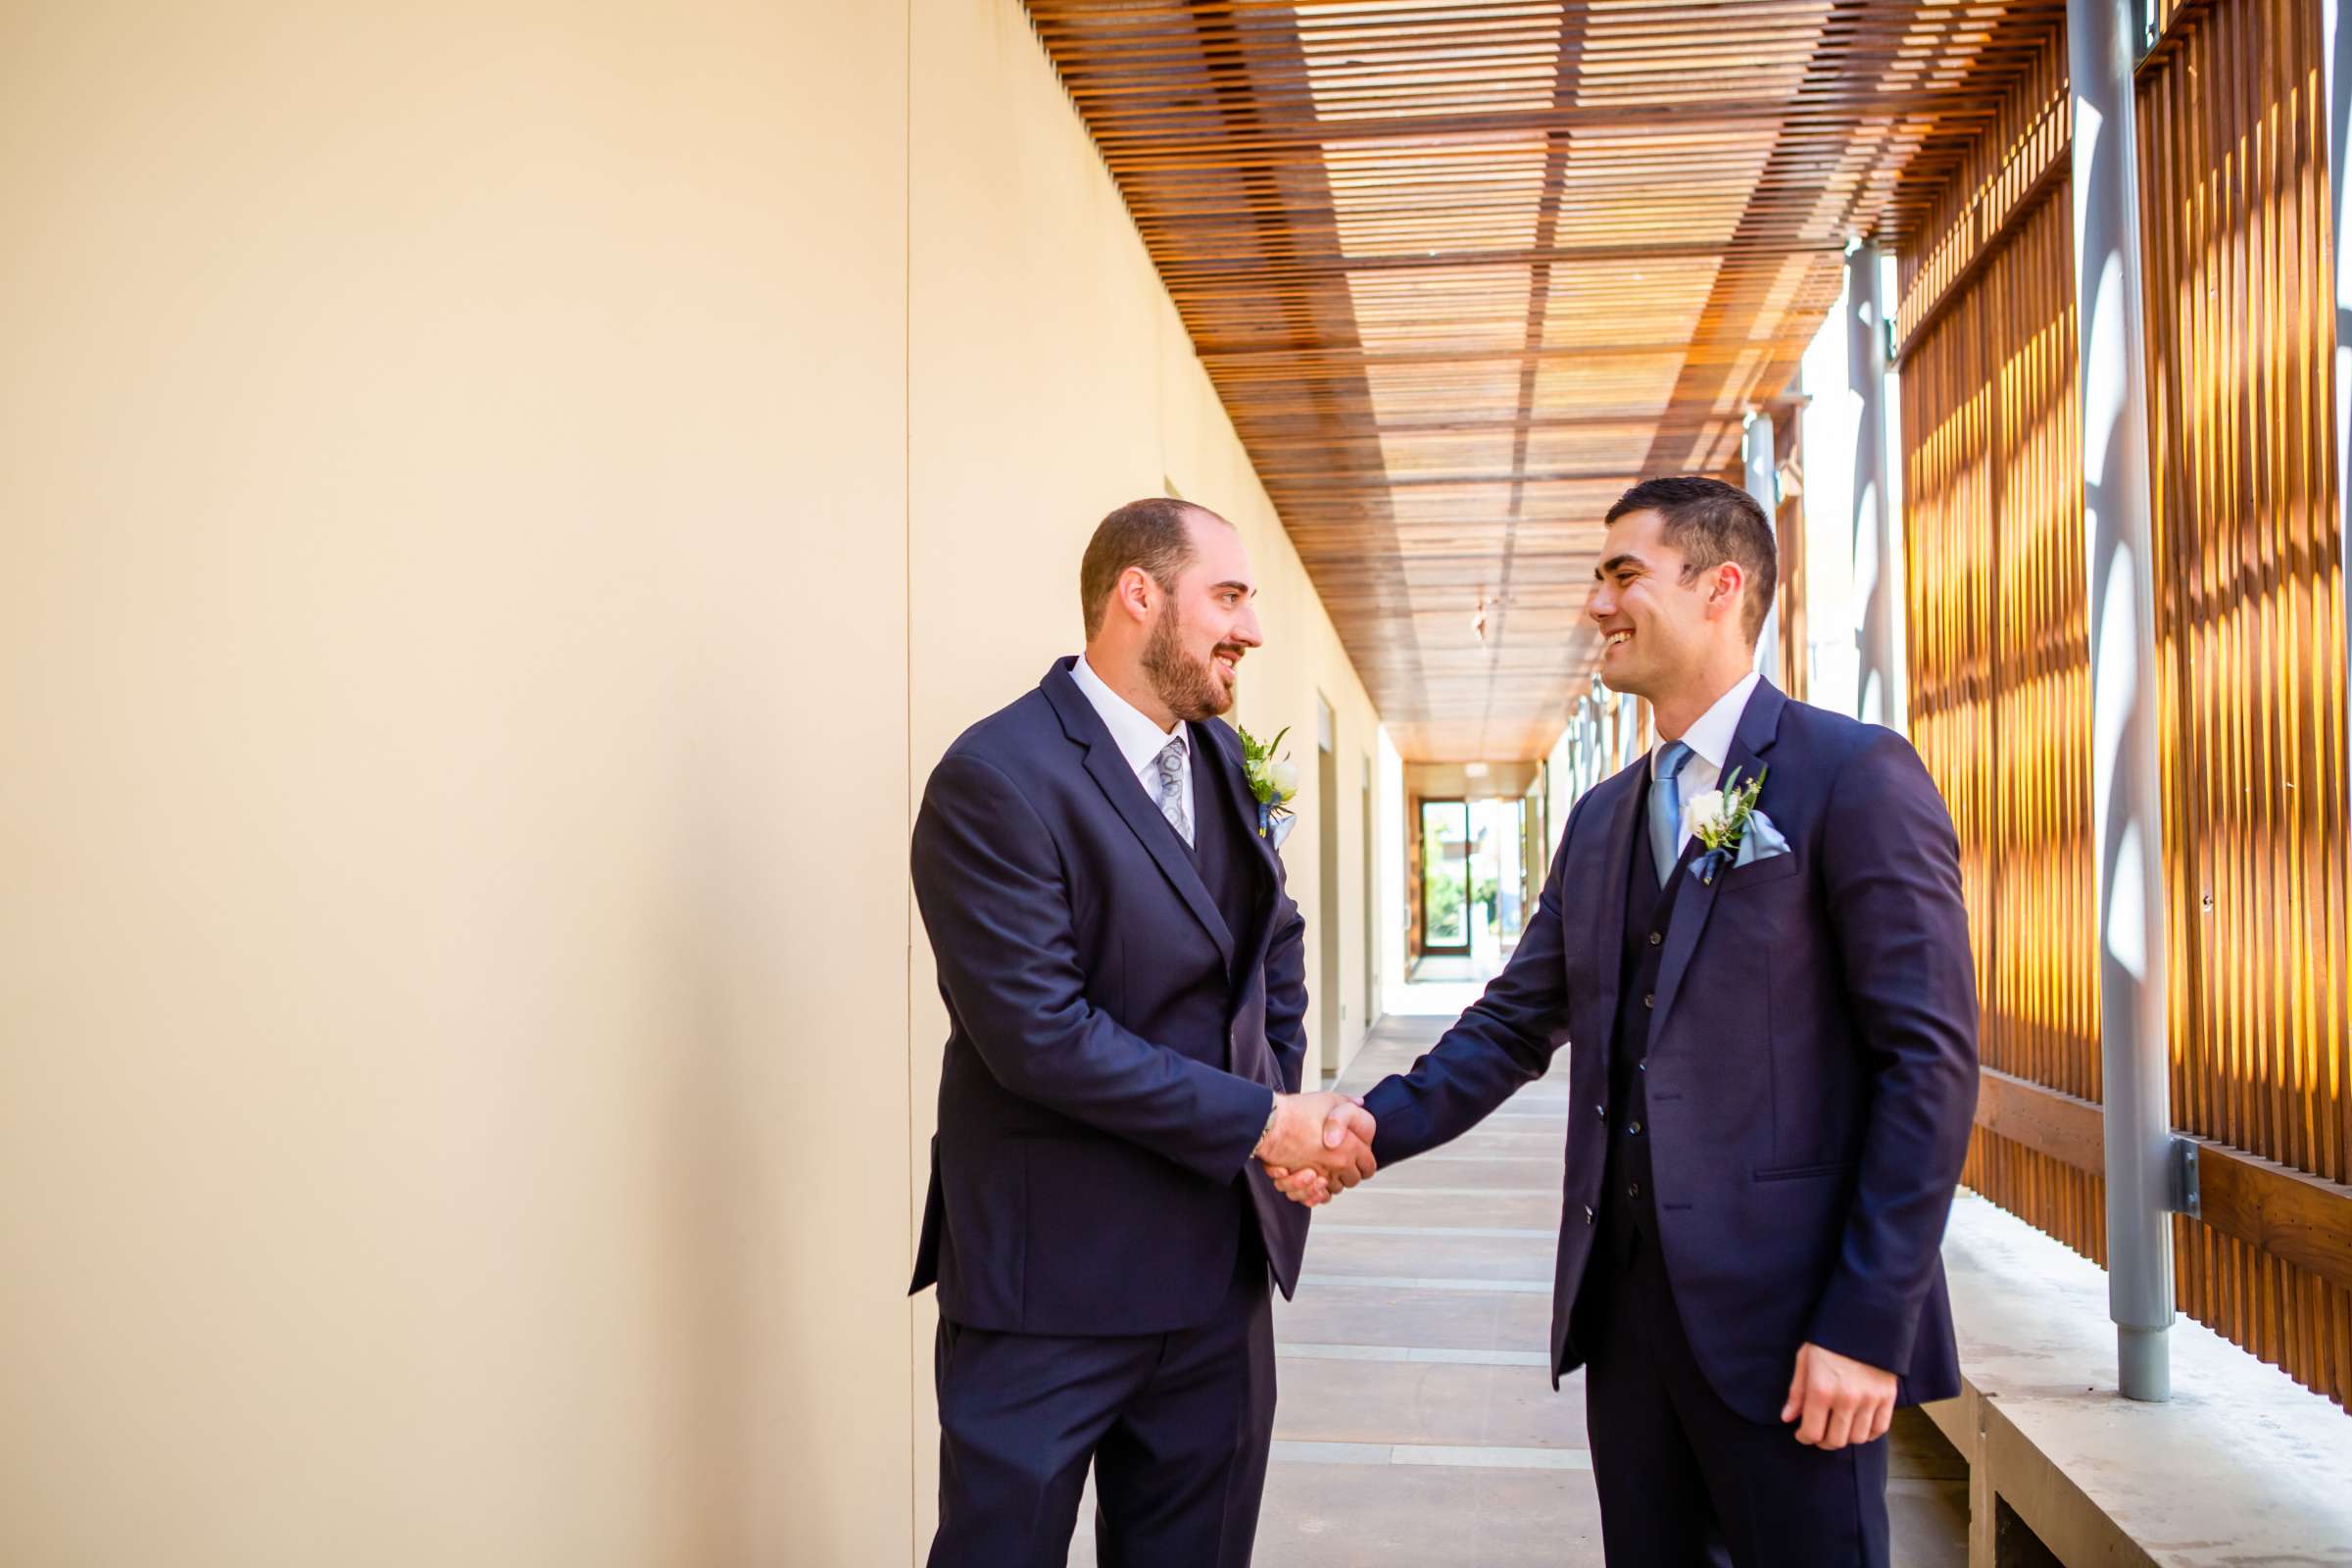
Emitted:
pixel 1139 739
pixel 1712 736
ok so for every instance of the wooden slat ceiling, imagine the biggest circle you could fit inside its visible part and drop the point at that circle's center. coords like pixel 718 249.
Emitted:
pixel 1462 272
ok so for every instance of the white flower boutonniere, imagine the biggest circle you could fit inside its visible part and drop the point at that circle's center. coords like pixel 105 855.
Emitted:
pixel 1719 819
pixel 1274 782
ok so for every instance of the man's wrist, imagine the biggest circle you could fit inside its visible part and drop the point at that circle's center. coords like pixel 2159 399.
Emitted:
pixel 1257 1150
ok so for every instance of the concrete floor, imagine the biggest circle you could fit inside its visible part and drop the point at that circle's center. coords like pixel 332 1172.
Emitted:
pixel 1416 1423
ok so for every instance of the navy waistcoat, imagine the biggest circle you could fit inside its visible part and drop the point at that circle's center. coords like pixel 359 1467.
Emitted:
pixel 1648 909
pixel 1229 865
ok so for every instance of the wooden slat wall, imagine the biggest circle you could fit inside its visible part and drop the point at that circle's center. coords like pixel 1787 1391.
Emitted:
pixel 2000 678
pixel 2234 196
pixel 2249 617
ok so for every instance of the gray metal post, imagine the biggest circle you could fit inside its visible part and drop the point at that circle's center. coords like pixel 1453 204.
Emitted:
pixel 1763 484
pixel 1589 717
pixel 1879 682
pixel 2335 63
pixel 2128 809
pixel 1604 732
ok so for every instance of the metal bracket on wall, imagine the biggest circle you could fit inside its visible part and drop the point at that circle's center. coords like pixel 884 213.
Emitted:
pixel 2185 1199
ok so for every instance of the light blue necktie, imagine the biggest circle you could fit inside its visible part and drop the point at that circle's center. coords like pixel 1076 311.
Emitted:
pixel 1666 809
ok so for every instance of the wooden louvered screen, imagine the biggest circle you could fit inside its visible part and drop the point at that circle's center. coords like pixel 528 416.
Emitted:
pixel 2251 658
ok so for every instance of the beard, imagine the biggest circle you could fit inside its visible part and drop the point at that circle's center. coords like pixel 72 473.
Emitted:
pixel 1190 687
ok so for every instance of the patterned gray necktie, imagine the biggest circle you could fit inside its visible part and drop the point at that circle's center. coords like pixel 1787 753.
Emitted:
pixel 1172 789
pixel 1666 810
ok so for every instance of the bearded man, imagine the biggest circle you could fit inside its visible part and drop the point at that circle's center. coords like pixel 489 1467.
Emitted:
pixel 1125 981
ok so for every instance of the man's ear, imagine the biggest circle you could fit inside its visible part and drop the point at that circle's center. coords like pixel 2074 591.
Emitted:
pixel 1730 578
pixel 1134 593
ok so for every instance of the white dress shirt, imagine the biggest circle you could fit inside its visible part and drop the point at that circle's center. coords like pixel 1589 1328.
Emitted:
pixel 1710 742
pixel 1139 738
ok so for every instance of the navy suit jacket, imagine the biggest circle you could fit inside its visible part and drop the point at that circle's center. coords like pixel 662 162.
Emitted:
pixel 1812 1060
pixel 1112 1044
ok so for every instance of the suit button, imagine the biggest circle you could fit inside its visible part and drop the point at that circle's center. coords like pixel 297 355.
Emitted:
pixel 1588 1213
pixel 1650 1001
pixel 1633 1188
pixel 1632 1129
pixel 1642 1065
pixel 1655 938
pixel 1602 1112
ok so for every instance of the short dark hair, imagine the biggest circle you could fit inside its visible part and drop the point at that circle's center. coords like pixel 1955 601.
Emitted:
pixel 1151 533
pixel 1711 522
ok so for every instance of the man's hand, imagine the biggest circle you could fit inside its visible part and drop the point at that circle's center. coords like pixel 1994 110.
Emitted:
pixel 1836 1399
pixel 1319 1144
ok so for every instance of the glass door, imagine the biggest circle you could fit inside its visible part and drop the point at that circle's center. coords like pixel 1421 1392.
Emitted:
pixel 1445 878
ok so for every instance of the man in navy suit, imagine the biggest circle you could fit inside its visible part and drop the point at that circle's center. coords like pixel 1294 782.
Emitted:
pixel 1773 1066
pixel 1126 984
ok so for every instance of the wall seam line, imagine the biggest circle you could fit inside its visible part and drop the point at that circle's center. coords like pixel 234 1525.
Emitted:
pixel 907 786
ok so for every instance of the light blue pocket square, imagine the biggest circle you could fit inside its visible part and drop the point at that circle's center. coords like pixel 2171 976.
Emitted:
pixel 1761 841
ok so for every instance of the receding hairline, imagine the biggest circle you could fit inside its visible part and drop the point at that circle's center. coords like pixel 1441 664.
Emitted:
pixel 1194 509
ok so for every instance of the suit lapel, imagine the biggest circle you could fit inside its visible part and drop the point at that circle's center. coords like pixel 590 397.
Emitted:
pixel 1759 722
pixel 1608 931
pixel 1215 775
pixel 1125 791
pixel 1209 753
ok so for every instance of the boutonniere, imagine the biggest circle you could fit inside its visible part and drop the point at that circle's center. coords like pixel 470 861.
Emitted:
pixel 1719 819
pixel 1273 781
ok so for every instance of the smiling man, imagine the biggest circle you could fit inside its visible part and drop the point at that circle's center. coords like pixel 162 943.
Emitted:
pixel 1125 982
pixel 1773 1073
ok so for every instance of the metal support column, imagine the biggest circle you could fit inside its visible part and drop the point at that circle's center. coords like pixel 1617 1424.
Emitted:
pixel 1879 692
pixel 1763 484
pixel 2128 808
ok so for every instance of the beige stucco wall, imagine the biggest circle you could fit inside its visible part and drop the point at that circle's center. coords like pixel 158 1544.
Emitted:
pixel 500 507
pixel 454 974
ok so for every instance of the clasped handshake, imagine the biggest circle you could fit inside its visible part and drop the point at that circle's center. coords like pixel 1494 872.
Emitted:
pixel 1318 1146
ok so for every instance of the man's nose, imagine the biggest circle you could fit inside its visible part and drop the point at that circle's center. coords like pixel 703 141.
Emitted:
pixel 1246 630
pixel 1598 604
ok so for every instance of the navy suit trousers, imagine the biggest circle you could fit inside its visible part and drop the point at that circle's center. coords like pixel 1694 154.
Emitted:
pixel 1177 1426
pixel 1684 1478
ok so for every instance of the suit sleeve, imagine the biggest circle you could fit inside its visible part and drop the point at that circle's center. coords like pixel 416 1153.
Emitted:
pixel 989 881
pixel 1890 870
pixel 1504 1041
pixel 1286 985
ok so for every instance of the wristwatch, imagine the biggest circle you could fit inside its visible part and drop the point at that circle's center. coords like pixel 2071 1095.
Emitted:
pixel 1273 1115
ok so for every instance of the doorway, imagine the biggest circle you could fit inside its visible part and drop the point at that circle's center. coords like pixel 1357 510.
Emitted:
pixel 1370 868
pixel 1445 879
pixel 1476 892
pixel 1334 1011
